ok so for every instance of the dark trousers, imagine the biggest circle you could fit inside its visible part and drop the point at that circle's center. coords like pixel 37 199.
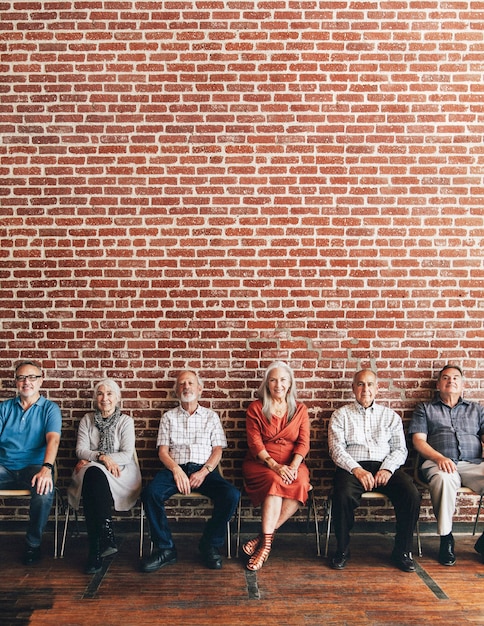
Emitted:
pixel 97 500
pixel 400 489
pixel 224 496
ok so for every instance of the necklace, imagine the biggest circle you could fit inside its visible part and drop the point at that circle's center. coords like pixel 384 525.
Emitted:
pixel 279 411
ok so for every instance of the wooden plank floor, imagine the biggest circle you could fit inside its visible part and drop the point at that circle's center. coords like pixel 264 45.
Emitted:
pixel 294 587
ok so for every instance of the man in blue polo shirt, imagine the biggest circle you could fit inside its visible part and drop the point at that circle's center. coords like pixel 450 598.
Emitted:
pixel 30 428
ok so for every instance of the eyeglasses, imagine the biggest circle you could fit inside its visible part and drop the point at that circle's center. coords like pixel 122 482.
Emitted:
pixel 31 377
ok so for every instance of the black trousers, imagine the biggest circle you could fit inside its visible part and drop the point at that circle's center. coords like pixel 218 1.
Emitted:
pixel 400 489
pixel 96 499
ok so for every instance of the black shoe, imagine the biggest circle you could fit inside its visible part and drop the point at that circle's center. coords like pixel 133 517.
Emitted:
pixel 211 557
pixel 479 546
pixel 94 563
pixel 340 559
pixel 446 551
pixel 404 561
pixel 158 559
pixel 108 541
pixel 31 555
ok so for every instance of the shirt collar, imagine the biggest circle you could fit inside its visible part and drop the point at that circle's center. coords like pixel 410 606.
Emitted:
pixel 363 409
pixel 438 400
pixel 40 401
pixel 185 412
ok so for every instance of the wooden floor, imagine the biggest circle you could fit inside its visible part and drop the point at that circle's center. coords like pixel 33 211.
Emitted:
pixel 294 587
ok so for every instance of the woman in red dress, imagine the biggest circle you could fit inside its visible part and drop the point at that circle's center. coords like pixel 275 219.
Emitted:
pixel 275 474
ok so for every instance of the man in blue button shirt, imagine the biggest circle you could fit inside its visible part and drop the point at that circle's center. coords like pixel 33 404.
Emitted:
pixel 30 428
pixel 448 433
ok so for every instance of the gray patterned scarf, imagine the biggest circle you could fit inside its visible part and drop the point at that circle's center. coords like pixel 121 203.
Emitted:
pixel 106 427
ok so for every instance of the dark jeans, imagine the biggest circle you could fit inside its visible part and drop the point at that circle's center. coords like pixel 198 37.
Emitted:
pixel 224 496
pixel 40 505
pixel 400 489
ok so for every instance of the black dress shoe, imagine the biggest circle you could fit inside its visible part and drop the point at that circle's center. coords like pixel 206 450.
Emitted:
pixel 211 557
pixel 446 551
pixel 404 561
pixel 158 559
pixel 31 555
pixel 479 546
pixel 340 559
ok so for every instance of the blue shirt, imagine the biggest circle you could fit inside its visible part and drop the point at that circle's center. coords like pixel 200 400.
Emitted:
pixel 455 431
pixel 23 433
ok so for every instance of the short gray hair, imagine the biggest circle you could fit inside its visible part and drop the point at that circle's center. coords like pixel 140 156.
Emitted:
pixel 111 384
pixel 28 362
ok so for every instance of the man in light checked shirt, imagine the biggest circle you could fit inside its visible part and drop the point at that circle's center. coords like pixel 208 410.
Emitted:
pixel 190 443
pixel 367 444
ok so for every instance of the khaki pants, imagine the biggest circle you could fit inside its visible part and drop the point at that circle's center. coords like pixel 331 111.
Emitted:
pixel 443 489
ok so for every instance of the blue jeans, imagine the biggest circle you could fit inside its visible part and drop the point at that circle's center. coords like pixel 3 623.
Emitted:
pixel 40 505
pixel 224 496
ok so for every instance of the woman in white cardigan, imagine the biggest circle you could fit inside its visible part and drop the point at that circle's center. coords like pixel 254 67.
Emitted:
pixel 107 473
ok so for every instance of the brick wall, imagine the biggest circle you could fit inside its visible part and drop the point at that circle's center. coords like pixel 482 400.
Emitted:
pixel 218 184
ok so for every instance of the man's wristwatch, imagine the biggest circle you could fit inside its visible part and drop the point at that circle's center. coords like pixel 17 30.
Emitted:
pixel 209 468
pixel 49 465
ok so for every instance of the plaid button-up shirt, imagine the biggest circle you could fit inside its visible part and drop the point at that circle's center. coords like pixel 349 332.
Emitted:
pixel 191 438
pixel 374 434
pixel 455 431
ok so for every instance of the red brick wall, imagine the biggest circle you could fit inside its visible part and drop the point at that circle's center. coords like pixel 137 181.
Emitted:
pixel 218 184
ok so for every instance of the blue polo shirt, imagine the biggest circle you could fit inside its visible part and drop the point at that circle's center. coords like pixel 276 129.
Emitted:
pixel 22 433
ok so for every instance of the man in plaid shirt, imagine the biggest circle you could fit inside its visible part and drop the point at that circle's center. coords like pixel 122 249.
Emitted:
pixel 367 444
pixel 448 433
pixel 190 443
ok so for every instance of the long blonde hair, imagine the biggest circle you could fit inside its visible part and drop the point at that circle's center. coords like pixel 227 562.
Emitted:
pixel 265 396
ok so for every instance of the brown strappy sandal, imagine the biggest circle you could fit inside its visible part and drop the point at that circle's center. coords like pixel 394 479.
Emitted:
pixel 251 546
pixel 258 559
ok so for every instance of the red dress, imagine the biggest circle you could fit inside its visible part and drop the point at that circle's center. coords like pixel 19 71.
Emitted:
pixel 282 441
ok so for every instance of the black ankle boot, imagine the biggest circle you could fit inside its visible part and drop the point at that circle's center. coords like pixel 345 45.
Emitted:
pixel 94 560
pixel 108 541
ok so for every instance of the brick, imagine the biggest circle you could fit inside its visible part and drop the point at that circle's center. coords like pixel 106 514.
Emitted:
pixel 220 186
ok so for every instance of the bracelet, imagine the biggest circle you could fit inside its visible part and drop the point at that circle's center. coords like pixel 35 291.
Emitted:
pixel 49 465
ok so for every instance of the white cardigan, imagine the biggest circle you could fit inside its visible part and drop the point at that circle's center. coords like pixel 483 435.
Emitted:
pixel 126 488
